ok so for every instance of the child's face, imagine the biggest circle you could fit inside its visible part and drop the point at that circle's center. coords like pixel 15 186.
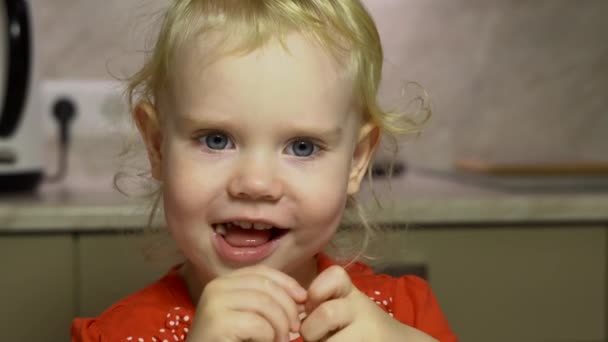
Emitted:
pixel 269 136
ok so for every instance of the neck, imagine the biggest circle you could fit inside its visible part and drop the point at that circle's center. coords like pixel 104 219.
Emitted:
pixel 196 282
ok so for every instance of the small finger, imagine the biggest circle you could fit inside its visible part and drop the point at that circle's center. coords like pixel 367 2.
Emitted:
pixel 274 290
pixel 332 283
pixel 301 308
pixel 345 334
pixel 290 285
pixel 328 318
pixel 248 326
pixel 262 304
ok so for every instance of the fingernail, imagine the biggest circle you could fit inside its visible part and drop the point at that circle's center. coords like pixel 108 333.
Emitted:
pixel 296 326
pixel 301 291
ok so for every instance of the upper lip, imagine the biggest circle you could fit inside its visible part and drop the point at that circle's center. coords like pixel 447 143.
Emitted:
pixel 253 220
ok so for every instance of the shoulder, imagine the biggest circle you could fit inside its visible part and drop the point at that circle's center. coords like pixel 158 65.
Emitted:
pixel 409 299
pixel 162 310
pixel 378 286
pixel 401 296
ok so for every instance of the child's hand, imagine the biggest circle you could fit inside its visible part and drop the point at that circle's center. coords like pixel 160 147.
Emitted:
pixel 339 312
pixel 251 304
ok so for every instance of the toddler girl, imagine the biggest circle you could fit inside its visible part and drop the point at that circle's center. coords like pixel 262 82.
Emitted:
pixel 260 120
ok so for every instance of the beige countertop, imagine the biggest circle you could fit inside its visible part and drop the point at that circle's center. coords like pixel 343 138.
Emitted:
pixel 417 199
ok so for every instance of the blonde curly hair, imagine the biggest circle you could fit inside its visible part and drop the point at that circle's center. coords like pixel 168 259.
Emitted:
pixel 342 27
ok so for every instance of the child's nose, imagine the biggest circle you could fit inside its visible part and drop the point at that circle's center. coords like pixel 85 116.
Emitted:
pixel 256 180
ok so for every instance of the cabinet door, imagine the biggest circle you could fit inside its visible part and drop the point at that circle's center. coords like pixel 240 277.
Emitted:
pixel 512 283
pixel 113 266
pixel 36 288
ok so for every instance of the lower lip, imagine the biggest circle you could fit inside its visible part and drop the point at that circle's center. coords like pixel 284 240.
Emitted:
pixel 244 255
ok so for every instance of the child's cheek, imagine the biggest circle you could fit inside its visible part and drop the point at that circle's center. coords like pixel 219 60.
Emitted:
pixel 321 199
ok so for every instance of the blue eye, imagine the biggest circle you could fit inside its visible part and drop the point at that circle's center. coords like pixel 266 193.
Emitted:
pixel 302 148
pixel 215 141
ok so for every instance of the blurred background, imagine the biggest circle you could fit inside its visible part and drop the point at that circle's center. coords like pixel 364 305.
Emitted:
pixel 501 202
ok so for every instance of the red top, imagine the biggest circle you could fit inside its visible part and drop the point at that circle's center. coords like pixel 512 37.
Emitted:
pixel 163 311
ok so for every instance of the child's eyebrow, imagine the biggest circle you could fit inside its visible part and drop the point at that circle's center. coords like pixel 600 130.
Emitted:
pixel 301 130
pixel 186 121
pixel 327 133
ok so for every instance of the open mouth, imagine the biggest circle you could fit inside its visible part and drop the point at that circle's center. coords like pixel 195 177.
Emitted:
pixel 244 235
pixel 230 228
pixel 246 242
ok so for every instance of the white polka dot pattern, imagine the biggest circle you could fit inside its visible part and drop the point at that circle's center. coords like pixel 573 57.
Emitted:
pixel 383 301
pixel 178 321
pixel 177 326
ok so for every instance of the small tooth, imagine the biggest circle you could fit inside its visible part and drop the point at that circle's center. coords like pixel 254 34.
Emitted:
pixel 261 226
pixel 221 229
pixel 244 224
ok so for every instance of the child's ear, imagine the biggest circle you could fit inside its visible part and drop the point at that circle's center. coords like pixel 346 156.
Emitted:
pixel 369 137
pixel 146 118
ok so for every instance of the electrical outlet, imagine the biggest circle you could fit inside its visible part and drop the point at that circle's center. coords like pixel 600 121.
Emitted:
pixel 99 133
pixel 101 109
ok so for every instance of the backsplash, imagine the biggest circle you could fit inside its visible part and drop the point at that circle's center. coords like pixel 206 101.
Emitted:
pixel 509 80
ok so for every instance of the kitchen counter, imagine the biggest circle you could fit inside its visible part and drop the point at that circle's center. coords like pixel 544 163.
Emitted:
pixel 416 199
